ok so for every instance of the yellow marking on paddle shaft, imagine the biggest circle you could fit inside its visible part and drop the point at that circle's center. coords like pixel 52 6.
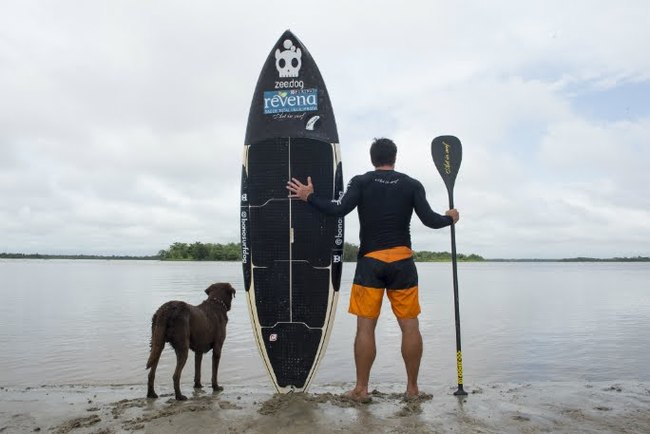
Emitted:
pixel 459 366
pixel 447 159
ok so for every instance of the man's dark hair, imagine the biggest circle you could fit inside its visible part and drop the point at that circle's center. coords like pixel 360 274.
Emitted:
pixel 383 152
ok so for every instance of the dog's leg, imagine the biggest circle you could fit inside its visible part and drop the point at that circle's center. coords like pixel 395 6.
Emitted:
pixel 157 345
pixel 216 357
pixel 151 393
pixel 198 357
pixel 181 358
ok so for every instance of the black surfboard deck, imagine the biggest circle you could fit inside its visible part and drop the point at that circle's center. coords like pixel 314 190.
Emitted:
pixel 291 253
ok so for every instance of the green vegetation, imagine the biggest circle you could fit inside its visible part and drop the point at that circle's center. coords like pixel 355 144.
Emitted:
pixel 584 259
pixel 426 256
pixel 224 252
pixel 201 252
pixel 350 252
pixel 40 256
pixel 577 259
pixel 232 252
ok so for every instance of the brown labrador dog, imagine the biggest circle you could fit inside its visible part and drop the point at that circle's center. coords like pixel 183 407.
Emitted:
pixel 198 328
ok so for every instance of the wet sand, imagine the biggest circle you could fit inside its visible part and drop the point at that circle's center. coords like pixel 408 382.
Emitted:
pixel 489 408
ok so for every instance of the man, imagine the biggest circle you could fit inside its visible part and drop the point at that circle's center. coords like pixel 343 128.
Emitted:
pixel 385 200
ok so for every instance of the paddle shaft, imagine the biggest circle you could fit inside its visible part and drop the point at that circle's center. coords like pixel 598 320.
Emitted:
pixel 454 267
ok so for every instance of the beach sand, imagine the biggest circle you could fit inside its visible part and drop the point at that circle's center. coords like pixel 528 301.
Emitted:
pixel 622 407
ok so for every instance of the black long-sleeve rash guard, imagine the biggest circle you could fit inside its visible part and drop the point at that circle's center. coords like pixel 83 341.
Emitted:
pixel 385 200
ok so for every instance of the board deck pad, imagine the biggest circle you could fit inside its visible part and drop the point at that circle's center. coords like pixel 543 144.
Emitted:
pixel 291 253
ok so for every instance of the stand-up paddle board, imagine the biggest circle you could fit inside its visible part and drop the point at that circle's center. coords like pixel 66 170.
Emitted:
pixel 291 253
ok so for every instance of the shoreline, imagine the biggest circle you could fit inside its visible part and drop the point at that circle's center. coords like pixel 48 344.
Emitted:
pixel 489 408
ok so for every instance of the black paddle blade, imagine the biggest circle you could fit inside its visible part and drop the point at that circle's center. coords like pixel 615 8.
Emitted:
pixel 447 154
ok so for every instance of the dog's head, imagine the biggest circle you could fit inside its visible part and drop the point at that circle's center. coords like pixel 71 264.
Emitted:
pixel 221 291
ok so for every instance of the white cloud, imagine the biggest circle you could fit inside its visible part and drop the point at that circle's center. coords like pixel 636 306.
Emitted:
pixel 122 125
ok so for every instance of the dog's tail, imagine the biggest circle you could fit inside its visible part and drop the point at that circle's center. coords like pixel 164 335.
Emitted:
pixel 158 329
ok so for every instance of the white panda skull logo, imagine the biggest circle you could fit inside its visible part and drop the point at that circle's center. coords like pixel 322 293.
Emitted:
pixel 288 62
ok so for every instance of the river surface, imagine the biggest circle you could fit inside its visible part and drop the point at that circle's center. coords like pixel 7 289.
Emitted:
pixel 89 322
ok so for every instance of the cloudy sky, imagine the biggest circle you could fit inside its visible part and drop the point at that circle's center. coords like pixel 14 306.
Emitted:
pixel 122 122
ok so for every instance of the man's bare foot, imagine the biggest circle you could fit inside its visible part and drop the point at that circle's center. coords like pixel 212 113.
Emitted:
pixel 360 396
pixel 410 398
pixel 412 394
pixel 420 397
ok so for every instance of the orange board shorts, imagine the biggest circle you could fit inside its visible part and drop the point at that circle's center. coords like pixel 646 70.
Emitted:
pixel 391 270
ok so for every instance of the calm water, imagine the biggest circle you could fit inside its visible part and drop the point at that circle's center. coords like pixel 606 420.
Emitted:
pixel 88 322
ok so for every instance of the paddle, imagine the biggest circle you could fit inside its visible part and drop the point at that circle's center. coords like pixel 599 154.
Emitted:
pixel 447 154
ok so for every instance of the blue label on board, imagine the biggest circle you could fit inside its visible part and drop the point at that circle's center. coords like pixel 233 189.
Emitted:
pixel 286 101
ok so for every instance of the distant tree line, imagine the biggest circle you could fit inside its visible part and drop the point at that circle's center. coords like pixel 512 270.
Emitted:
pixel 224 252
pixel 41 256
pixel 232 252
pixel 201 252
pixel 426 256
pixel 616 259
pixel 578 259
pixel 350 252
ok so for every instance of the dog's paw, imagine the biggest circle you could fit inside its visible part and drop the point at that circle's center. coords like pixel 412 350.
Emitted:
pixel 217 388
pixel 152 395
pixel 198 386
pixel 181 398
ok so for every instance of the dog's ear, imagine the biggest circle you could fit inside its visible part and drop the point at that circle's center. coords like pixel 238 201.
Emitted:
pixel 229 294
pixel 211 288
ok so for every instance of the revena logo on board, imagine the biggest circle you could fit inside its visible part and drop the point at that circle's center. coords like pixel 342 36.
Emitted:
pixel 287 101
